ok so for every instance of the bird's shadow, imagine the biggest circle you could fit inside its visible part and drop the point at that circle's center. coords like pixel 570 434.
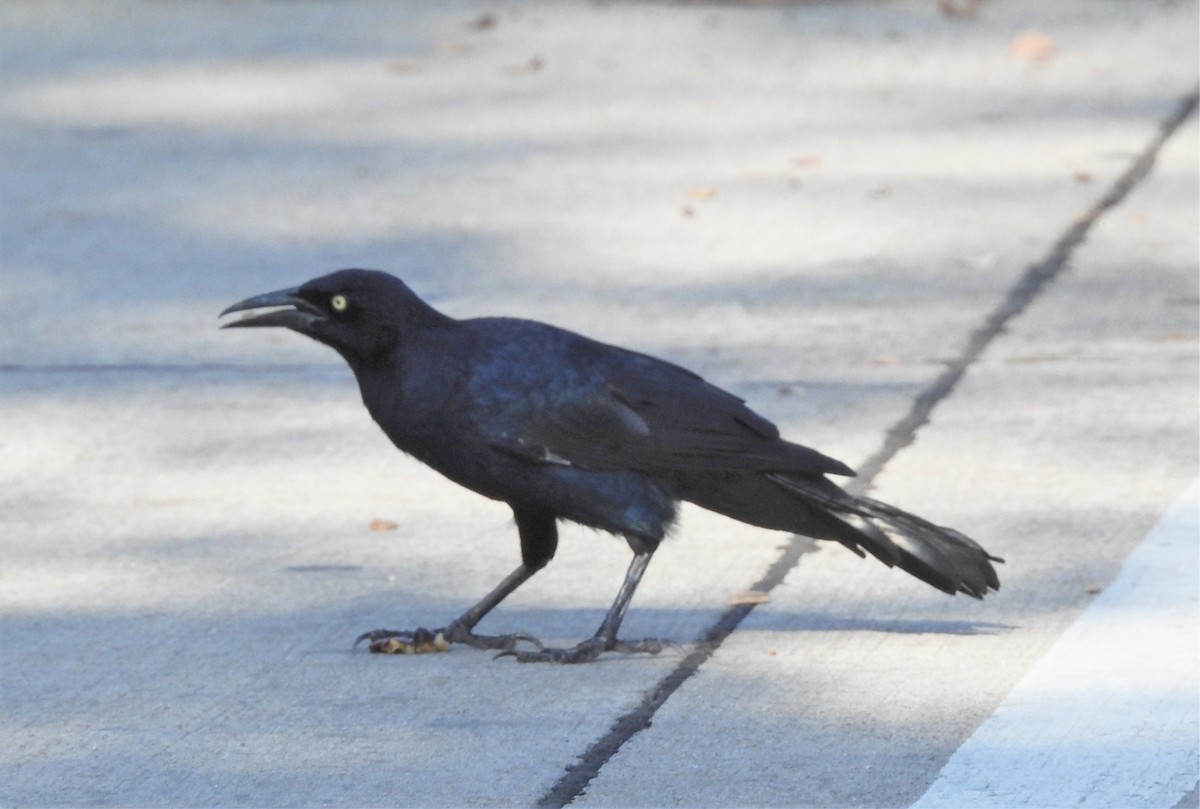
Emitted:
pixel 677 625
pixel 818 622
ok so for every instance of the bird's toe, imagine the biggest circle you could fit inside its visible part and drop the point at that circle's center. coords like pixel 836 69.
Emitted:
pixel 457 633
pixel 425 641
pixel 587 651
pixel 583 653
pixel 404 642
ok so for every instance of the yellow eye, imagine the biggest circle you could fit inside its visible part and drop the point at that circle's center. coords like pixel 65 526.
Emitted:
pixel 339 303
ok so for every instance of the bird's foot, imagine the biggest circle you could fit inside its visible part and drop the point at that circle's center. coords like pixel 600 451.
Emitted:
pixel 404 642
pixel 424 641
pixel 589 650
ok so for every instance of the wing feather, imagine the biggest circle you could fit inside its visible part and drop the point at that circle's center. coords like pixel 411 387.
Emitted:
pixel 636 412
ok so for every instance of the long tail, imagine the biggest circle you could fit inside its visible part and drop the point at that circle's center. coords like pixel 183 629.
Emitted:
pixel 939 556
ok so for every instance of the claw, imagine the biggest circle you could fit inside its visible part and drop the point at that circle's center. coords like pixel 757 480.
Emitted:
pixel 424 641
pixel 377 634
pixel 390 641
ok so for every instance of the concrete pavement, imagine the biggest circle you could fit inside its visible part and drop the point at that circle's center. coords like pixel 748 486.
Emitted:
pixel 815 205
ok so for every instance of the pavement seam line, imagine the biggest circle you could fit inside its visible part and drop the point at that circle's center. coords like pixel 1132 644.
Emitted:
pixel 1032 282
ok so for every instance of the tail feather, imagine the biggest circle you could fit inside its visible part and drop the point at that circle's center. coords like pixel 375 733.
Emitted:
pixel 938 556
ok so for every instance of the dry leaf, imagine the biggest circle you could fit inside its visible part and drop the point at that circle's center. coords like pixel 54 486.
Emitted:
pixel 808 161
pixel 702 193
pixel 535 64
pixel 748 597
pixel 484 21
pixel 383 525
pixel 959 8
pixel 1032 45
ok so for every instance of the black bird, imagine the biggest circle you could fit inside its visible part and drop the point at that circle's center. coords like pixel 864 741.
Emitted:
pixel 561 427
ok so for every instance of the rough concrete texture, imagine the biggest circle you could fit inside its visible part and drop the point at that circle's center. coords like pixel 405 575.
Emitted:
pixel 813 204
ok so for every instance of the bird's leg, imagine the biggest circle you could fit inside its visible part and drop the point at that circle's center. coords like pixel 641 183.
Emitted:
pixel 419 641
pixel 539 540
pixel 605 639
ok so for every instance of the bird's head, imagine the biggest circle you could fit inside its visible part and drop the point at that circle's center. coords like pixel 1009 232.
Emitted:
pixel 362 314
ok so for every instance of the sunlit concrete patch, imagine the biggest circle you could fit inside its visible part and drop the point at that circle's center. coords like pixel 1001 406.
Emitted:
pixel 1108 717
pixel 193 95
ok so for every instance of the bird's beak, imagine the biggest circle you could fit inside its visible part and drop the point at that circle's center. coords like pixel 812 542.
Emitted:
pixel 299 315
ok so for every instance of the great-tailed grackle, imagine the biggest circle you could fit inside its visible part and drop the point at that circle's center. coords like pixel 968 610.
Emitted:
pixel 561 427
